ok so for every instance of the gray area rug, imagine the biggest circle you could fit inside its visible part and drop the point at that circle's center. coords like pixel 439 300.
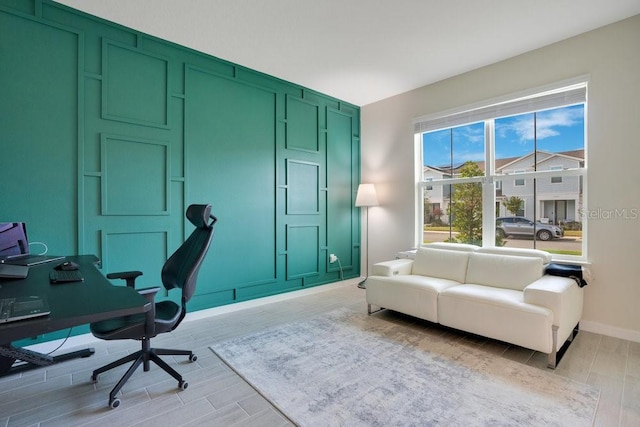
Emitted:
pixel 350 369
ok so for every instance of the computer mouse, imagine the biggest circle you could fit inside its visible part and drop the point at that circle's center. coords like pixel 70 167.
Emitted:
pixel 67 265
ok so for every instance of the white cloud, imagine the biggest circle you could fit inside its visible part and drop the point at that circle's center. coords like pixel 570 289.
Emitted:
pixel 472 134
pixel 547 123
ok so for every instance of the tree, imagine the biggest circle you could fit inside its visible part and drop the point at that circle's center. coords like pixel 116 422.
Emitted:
pixel 466 206
pixel 426 211
pixel 512 204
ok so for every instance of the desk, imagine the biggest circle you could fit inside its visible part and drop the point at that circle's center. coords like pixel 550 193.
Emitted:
pixel 72 304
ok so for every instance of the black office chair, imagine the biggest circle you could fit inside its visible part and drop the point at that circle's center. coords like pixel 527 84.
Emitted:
pixel 180 271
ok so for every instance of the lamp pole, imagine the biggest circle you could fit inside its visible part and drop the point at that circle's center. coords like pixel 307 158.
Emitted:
pixel 366 197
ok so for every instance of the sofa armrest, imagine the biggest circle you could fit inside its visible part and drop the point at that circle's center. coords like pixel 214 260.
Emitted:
pixel 392 268
pixel 562 296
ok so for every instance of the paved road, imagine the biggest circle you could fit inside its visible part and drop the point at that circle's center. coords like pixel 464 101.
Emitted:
pixel 564 244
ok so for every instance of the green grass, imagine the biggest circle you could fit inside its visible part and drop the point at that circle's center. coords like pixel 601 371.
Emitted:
pixel 568 233
pixel 563 252
pixel 442 228
pixel 552 251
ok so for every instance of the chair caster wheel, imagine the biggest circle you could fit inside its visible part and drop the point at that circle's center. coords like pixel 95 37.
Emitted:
pixel 94 379
pixel 182 385
pixel 193 358
pixel 114 403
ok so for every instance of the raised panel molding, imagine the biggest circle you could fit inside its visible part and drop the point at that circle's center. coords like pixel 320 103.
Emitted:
pixel 303 188
pixel 231 140
pixel 41 135
pixel 135 85
pixel 125 250
pixel 303 251
pixel 342 179
pixel 135 176
pixel 302 125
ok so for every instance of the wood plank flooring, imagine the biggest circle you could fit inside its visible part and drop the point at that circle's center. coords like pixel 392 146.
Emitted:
pixel 63 394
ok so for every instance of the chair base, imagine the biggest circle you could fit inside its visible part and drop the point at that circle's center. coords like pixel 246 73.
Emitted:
pixel 143 357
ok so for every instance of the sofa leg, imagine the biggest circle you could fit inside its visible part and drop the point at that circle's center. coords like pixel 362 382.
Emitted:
pixel 575 331
pixel 556 356
pixel 370 311
pixel 552 361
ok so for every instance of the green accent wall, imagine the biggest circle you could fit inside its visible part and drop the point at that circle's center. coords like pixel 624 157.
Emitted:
pixel 108 134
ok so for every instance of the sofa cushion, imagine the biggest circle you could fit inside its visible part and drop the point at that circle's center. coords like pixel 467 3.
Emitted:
pixel 464 247
pixel 502 271
pixel 496 313
pixel 501 250
pixel 444 264
pixel 410 294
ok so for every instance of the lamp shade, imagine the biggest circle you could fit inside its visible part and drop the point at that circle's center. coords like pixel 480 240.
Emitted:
pixel 366 195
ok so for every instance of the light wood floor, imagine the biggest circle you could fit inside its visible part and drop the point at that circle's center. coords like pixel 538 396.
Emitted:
pixel 63 394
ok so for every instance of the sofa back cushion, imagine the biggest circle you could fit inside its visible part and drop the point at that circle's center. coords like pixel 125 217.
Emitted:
pixel 503 271
pixel 501 250
pixel 440 263
pixel 464 247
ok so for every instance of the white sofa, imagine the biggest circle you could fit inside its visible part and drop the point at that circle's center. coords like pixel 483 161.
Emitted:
pixel 501 293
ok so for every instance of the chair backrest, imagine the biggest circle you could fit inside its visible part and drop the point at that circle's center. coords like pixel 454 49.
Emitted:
pixel 181 269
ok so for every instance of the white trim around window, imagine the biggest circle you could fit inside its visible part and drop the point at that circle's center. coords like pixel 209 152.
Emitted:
pixel 559 95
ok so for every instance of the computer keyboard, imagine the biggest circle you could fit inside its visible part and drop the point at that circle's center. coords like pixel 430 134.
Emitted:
pixel 5 306
pixel 65 276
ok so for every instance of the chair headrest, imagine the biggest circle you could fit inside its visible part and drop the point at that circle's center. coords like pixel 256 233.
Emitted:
pixel 199 216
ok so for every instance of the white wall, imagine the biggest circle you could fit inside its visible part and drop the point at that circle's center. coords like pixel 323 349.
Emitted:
pixel 611 57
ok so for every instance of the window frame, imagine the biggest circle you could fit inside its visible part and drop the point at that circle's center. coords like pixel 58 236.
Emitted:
pixel 490 180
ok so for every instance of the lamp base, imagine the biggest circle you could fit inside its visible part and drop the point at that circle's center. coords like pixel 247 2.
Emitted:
pixel 362 285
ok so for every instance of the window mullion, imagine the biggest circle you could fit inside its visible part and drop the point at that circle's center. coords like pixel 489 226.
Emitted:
pixel 488 187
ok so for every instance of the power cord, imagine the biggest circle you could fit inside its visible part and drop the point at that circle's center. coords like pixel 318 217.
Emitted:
pixel 62 343
pixel 46 248
pixel 340 266
pixel 332 259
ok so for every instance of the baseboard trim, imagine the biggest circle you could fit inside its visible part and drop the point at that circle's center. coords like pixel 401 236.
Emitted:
pixel 88 339
pixel 608 330
pixel 229 308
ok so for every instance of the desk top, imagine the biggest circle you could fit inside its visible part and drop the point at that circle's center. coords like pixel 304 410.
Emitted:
pixel 72 304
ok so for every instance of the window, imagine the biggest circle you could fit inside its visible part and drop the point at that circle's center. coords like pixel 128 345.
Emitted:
pixel 556 179
pixel 511 172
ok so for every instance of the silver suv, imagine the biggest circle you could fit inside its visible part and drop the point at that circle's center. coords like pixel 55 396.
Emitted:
pixel 521 226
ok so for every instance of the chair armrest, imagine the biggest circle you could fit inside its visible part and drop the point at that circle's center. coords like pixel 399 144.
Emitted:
pixel 392 268
pixel 129 276
pixel 150 295
pixel 562 296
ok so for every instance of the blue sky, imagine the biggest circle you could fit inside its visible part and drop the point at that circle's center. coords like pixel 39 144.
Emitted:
pixel 560 129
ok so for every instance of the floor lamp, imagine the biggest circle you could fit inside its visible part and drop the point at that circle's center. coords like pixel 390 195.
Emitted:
pixel 366 197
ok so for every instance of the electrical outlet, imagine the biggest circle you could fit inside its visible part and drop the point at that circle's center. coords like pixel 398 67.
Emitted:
pixel 333 258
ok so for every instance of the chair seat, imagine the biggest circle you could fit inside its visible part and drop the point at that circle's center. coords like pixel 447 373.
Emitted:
pixel 133 327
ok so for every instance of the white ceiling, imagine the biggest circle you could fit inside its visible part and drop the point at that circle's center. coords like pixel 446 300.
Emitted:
pixel 362 51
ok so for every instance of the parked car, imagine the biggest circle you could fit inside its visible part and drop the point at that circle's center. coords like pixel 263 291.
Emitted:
pixel 521 226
